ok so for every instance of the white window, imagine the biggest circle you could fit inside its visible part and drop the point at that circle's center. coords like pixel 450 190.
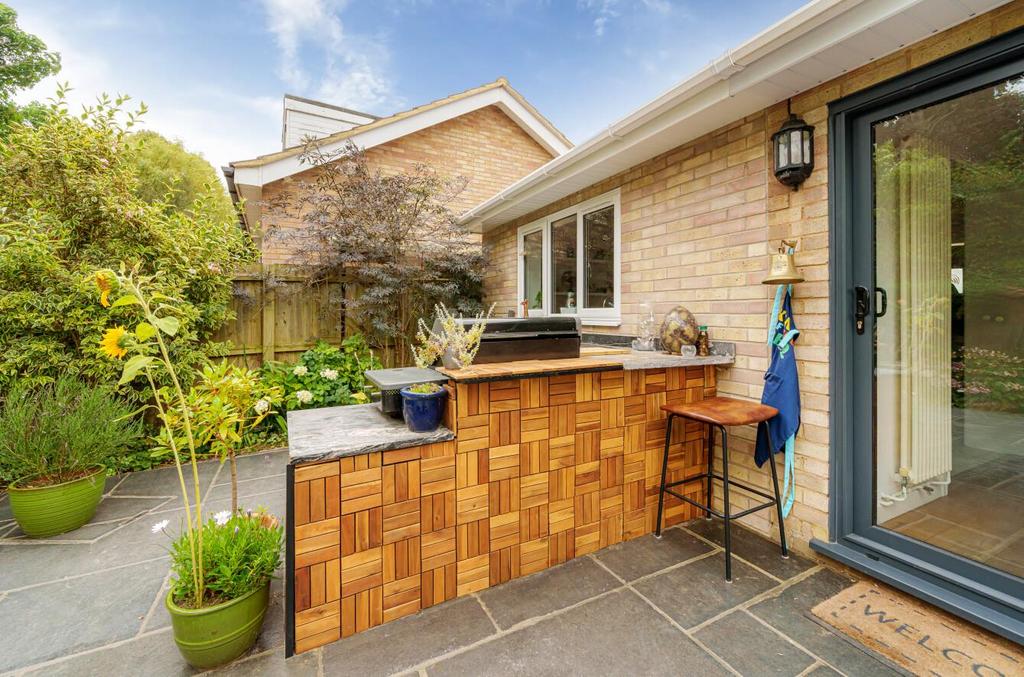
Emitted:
pixel 569 262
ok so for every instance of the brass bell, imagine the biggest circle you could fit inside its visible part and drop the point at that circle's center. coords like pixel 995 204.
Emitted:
pixel 783 270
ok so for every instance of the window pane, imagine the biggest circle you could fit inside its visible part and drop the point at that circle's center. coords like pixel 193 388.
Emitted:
pixel 533 268
pixel 599 261
pixel 563 265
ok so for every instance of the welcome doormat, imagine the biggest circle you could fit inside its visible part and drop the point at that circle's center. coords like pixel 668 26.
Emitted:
pixel 917 636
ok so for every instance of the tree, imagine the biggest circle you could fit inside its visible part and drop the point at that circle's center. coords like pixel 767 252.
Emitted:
pixel 391 238
pixel 69 207
pixel 171 175
pixel 24 61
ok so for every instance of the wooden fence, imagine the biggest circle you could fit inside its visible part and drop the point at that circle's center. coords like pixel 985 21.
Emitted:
pixel 278 316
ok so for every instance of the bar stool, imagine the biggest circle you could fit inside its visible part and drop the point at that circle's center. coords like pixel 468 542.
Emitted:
pixel 719 412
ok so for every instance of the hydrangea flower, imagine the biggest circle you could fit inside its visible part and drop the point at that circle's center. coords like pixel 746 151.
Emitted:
pixel 160 526
pixel 329 374
pixel 300 370
pixel 304 396
pixel 262 406
pixel 222 517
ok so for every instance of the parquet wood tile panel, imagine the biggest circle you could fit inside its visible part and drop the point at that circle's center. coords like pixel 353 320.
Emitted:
pixel 472 539
pixel 561 452
pixel 534 457
pixel 503 462
pixel 503 496
pixel 533 556
pixel 473 574
pixel 543 469
pixel 437 511
pixel 588 416
pixel 561 389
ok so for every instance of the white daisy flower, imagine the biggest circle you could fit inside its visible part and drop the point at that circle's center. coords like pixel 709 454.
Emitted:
pixel 160 526
pixel 329 374
pixel 222 517
pixel 262 406
pixel 300 370
pixel 304 396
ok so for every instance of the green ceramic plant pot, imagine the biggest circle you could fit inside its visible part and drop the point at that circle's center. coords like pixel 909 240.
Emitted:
pixel 55 509
pixel 218 634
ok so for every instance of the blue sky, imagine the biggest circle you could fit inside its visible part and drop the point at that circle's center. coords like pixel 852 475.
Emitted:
pixel 213 72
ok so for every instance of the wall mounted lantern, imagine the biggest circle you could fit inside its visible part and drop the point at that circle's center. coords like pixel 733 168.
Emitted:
pixel 793 147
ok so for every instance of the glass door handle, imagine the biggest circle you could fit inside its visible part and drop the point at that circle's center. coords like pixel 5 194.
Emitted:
pixel 861 306
pixel 883 302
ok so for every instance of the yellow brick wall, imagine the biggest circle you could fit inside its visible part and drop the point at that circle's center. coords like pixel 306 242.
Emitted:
pixel 485 146
pixel 697 226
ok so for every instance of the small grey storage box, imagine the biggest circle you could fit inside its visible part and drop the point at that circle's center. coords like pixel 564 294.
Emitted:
pixel 391 381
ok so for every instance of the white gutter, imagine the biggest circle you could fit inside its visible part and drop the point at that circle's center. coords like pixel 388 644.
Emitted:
pixel 779 41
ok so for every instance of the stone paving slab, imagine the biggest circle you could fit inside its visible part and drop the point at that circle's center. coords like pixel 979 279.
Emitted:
pixel 66 617
pixel 546 591
pixel 648 606
pixel 618 634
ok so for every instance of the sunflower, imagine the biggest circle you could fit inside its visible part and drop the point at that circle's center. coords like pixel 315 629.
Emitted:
pixel 113 342
pixel 103 284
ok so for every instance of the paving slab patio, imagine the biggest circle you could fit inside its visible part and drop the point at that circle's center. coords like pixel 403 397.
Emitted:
pixel 91 603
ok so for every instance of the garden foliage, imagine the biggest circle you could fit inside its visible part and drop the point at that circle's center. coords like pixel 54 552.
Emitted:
pixel 392 239
pixel 241 552
pixel 69 206
pixel 323 376
pixel 57 432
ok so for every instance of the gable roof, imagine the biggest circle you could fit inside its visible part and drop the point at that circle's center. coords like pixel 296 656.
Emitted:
pixel 815 44
pixel 274 166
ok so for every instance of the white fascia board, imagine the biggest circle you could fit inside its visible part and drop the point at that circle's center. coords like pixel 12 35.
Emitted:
pixel 809 31
pixel 498 96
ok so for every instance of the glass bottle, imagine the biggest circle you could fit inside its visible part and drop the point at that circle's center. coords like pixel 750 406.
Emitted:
pixel 703 344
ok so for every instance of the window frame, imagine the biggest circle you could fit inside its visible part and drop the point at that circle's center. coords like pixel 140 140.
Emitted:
pixel 604 317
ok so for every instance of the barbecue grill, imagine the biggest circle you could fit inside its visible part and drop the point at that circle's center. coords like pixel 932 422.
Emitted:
pixel 526 338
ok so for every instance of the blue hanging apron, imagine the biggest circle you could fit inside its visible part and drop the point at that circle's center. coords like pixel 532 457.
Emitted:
pixel 782 391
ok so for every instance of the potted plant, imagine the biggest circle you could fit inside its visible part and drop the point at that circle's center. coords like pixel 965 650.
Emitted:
pixel 455 345
pixel 50 441
pixel 423 406
pixel 222 566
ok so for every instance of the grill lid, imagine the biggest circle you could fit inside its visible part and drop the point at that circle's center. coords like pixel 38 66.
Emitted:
pixel 498 329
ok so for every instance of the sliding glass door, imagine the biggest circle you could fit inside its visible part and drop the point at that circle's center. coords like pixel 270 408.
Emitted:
pixel 928 343
pixel 948 184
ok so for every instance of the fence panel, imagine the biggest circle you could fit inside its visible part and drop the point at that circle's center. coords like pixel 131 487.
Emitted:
pixel 278 316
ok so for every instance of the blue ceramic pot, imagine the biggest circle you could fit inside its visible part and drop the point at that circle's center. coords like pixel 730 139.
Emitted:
pixel 423 411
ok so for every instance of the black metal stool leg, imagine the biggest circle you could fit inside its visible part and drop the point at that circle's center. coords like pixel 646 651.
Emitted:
pixel 664 475
pixel 711 467
pixel 725 504
pixel 775 485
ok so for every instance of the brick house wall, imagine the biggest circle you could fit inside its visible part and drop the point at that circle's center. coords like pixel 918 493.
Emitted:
pixel 698 223
pixel 485 146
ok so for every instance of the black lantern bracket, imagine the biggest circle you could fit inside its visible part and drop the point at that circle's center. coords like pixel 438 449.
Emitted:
pixel 793 150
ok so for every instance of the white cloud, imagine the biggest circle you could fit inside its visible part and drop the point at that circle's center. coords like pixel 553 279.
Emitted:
pixel 607 10
pixel 354 70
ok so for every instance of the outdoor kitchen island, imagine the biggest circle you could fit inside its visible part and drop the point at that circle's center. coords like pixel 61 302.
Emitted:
pixel 537 462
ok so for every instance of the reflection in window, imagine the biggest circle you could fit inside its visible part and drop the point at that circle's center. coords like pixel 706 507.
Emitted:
pixel 533 269
pixel 599 258
pixel 563 265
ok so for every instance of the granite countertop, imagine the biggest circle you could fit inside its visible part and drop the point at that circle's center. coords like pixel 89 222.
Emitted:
pixel 641 359
pixel 335 432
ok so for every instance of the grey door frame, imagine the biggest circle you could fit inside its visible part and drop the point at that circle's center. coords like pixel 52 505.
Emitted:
pixel 979 593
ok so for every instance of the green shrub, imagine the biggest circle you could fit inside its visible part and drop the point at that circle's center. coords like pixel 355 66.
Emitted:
pixel 324 376
pixel 68 207
pixel 241 552
pixel 57 432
